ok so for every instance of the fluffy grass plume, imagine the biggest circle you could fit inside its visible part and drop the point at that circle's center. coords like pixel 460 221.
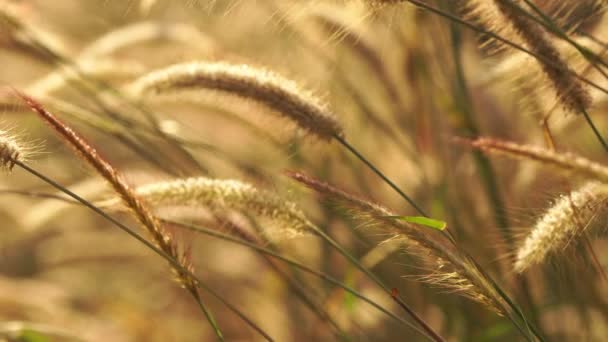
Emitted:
pixel 561 225
pixel 261 85
pixel 286 219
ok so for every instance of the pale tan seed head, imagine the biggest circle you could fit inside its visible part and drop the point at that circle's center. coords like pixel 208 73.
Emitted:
pixel 99 68
pixel 282 219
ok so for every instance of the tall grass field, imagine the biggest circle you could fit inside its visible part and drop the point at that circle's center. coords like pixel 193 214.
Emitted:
pixel 291 170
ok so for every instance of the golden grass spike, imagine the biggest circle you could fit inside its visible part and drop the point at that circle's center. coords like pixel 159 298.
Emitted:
pixel 561 224
pixel 260 85
pixel 563 160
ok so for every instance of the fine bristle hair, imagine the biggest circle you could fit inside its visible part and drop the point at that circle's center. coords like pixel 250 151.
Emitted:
pixel 561 160
pixel 561 225
pixel 162 238
pixel 450 269
pixel 257 84
pixel 285 219
pixel 11 150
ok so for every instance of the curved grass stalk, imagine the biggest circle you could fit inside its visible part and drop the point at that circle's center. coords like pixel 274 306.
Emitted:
pixel 264 86
pixel 288 220
pixel 244 197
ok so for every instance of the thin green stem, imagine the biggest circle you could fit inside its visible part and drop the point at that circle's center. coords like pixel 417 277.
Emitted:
pixel 208 315
pixel 379 173
pixel 597 133
pixel 377 280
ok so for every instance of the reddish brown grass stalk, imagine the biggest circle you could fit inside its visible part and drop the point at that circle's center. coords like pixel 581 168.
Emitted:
pixel 162 238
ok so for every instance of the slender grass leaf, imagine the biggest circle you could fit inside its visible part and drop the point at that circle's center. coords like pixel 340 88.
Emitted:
pixel 421 220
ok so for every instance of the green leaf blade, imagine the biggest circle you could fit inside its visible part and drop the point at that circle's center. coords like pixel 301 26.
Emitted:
pixel 423 221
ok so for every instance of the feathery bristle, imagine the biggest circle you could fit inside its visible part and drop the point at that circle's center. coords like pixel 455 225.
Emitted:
pixel 561 224
pixel 11 150
pixel 264 86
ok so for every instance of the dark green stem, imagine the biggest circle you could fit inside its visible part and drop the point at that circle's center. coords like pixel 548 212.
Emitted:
pixel 379 173
pixel 377 280
pixel 597 133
